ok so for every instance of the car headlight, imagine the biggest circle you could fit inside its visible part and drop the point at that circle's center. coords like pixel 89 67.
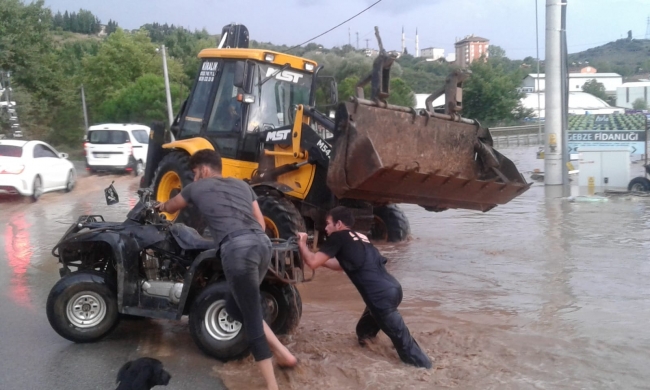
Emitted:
pixel 12 169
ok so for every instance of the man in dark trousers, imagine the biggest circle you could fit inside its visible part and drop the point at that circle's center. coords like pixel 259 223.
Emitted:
pixel 353 253
pixel 229 207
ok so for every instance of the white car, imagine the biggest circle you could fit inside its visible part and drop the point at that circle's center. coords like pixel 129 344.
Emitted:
pixel 31 168
pixel 117 147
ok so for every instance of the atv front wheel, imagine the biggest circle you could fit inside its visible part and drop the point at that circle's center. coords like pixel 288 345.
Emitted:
pixel 281 217
pixel 282 307
pixel 390 224
pixel 82 307
pixel 212 329
pixel 174 174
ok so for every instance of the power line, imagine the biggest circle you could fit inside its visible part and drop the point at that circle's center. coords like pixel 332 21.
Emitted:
pixel 335 27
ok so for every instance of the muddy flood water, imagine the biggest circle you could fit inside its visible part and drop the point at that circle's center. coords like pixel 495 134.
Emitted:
pixel 541 293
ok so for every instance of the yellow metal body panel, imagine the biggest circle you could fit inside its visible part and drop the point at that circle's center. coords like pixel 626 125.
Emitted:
pixel 231 168
pixel 301 179
pixel 258 55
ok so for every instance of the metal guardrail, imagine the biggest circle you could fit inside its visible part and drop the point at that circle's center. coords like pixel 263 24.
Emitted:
pixel 516 130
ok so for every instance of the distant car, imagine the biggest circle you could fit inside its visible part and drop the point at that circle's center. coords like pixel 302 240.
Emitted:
pixel 117 147
pixel 31 168
pixel 17 134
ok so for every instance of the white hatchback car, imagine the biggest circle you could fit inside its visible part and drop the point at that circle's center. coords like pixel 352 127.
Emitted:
pixel 117 147
pixel 31 168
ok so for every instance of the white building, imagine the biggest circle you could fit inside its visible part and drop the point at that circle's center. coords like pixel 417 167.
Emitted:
pixel 451 57
pixel 421 98
pixel 432 53
pixel 580 103
pixel 627 93
pixel 537 82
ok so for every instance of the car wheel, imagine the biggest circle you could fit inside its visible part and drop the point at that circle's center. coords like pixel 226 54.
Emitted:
pixel 139 168
pixel 37 188
pixel 82 307
pixel 639 184
pixel 212 329
pixel 69 184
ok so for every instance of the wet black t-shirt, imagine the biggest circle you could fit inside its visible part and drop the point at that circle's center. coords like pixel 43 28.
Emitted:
pixel 363 264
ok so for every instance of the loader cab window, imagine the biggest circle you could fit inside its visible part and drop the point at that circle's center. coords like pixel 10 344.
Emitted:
pixel 226 115
pixel 276 98
pixel 199 100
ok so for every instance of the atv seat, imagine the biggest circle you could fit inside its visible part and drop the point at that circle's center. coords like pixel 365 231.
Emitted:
pixel 189 239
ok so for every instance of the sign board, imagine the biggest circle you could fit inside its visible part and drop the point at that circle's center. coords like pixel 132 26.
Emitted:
pixel 608 131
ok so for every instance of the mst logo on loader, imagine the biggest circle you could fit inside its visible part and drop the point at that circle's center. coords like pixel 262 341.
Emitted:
pixel 285 75
pixel 277 136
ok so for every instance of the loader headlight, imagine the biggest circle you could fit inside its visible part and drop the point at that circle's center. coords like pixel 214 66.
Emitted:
pixel 269 57
pixel 309 67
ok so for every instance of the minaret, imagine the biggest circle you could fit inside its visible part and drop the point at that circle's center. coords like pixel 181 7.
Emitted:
pixel 403 40
pixel 417 43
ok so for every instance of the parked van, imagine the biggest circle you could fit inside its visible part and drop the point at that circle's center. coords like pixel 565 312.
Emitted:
pixel 117 147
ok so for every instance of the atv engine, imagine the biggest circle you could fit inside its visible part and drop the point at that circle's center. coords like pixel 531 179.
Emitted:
pixel 164 276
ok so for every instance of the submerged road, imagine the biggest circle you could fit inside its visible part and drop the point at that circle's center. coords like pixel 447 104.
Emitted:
pixel 541 293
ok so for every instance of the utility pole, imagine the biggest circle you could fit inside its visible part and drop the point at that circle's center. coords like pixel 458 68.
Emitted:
pixel 367 42
pixel 403 40
pixel 349 37
pixel 357 40
pixel 539 110
pixel 554 151
pixel 169 96
pixel 83 104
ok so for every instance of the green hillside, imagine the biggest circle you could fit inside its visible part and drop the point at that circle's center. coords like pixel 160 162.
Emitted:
pixel 627 57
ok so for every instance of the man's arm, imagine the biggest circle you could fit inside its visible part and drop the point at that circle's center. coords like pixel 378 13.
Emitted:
pixel 257 213
pixel 173 205
pixel 318 259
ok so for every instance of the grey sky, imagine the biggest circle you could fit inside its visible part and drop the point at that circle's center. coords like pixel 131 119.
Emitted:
pixel 506 23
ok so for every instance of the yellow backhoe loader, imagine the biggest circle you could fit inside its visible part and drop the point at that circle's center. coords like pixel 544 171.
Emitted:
pixel 257 108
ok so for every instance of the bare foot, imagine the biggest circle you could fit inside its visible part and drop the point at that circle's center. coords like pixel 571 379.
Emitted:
pixel 287 360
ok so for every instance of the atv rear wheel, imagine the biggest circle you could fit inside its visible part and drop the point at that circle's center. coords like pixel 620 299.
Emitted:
pixel 174 174
pixel 390 224
pixel 82 307
pixel 282 307
pixel 281 217
pixel 212 329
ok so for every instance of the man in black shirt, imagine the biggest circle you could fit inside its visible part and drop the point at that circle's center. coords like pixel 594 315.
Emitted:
pixel 353 253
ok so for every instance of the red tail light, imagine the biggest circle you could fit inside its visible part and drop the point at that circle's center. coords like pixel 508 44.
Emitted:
pixel 85 147
pixel 129 148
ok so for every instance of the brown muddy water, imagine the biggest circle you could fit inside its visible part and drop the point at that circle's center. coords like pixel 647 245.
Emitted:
pixel 541 293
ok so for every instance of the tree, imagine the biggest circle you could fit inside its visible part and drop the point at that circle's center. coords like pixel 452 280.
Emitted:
pixel 640 104
pixel 140 102
pixel 490 94
pixel 495 51
pixel 401 94
pixel 595 88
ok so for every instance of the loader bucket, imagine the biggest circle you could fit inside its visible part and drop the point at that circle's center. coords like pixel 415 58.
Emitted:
pixel 394 154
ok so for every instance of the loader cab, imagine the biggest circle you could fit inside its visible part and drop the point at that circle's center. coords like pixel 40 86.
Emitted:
pixel 239 93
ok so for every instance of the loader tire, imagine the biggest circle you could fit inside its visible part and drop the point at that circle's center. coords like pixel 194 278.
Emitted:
pixel 390 224
pixel 172 175
pixel 282 218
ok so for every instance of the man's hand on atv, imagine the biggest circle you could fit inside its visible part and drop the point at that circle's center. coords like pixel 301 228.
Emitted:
pixel 302 238
pixel 159 206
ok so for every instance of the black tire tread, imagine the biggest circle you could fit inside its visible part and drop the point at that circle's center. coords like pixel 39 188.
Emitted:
pixel 396 222
pixel 283 213
pixel 291 302
pixel 639 180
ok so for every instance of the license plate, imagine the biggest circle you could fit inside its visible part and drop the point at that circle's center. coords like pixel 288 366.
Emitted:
pixel 101 155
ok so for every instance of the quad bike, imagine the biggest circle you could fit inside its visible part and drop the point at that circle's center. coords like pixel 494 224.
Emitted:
pixel 148 267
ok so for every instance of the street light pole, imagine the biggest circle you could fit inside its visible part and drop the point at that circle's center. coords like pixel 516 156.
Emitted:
pixel 167 91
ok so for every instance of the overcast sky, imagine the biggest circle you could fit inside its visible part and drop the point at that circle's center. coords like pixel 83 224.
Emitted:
pixel 506 23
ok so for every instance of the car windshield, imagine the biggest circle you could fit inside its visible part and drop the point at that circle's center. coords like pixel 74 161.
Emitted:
pixel 112 137
pixel 11 151
pixel 276 97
